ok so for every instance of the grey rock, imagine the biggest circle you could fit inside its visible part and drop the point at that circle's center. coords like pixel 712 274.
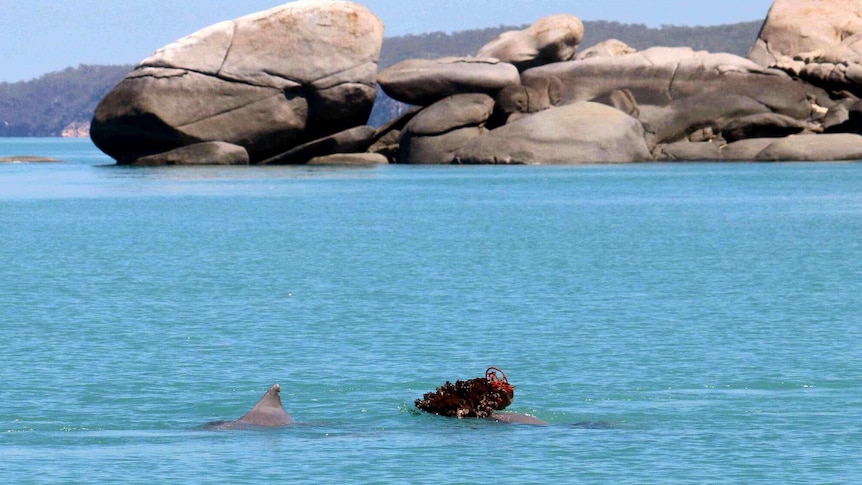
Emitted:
pixel 388 145
pixel 679 118
pixel 550 39
pixel 425 81
pixel 606 48
pixel 427 150
pixel 515 101
pixel 28 159
pixel 549 88
pixel 356 139
pixel 398 123
pixel 521 99
pixel 766 125
pixel 451 113
pixel 661 75
pixel 825 147
pixel 436 132
pixel 704 134
pixel 349 159
pixel 819 41
pixel 838 114
pixel 576 133
pixel 623 100
pixel 205 153
pixel 845 117
pixel 688 151
pixel 268 82
pixel 745 150
pixel 387 138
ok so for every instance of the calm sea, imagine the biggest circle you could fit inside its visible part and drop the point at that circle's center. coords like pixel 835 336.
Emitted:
pixel 675 323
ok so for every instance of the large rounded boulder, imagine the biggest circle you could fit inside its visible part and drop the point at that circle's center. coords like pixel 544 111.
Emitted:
pixel 436 132
pixel 268 82
pixel 551 39
pixel 807 147
pixel 572 134
pixel 817 40
pixel 660 75
pixel 423 82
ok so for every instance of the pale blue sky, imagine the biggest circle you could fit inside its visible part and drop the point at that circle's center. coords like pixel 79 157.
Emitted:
pixel 40 36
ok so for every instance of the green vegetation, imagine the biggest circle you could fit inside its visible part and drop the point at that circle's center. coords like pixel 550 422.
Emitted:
pixel 47 105
pixel 733 38
pixel 56 101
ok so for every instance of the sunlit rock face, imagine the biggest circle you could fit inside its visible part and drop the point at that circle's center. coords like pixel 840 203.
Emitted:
pixel 268 82
pixel 550 39
pixel 576 133
pixel 819 41
pixel 423 82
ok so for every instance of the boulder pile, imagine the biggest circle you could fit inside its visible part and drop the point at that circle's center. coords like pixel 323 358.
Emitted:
pixel 295 84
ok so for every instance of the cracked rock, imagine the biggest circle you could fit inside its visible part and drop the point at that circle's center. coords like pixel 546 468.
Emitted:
pixel 425 81
pixel 267 82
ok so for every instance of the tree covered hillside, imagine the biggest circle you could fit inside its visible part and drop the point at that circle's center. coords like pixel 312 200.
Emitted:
pixel 52 103
pixel 62 103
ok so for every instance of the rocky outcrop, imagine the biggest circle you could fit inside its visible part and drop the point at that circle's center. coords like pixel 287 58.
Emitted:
pixel 425 81
pixel 295 85
pixel 550 39
pixel 680 118
pixel 28 159
pixel 205 153
pixel 819 41
pixel 804 147
pixel 661 75
pixel 577 133
pixel 688 151
pixel 353 140
pixel 615 104
pixel 76 130
pixel 267 82
pixel 828 147
pixel 435 133
pixel 766 125
pixel 744 150
pixel 349 159
pixel 518 99
pixel 844 117
pixel 606 48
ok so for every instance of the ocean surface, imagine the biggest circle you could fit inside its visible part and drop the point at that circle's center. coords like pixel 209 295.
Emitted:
pixel 674 323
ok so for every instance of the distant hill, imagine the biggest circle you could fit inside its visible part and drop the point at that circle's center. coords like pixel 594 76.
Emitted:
pixel 62 103
pixel 56 102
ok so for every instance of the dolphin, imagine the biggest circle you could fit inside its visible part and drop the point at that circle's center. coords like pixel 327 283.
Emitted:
pixel 516 418
pixel 267 413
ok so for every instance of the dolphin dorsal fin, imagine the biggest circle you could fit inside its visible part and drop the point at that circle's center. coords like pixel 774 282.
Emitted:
pixel 268 411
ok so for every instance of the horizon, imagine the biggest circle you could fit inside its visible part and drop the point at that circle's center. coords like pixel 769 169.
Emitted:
pixel 35 35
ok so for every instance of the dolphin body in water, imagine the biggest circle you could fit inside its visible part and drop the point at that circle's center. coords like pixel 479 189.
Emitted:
pixel 516 418
pixel 267 413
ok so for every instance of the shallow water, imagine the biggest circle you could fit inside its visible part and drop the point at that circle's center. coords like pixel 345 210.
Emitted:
pixel 675 323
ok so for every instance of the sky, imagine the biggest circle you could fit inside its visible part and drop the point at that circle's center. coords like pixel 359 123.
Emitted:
pixel 41 36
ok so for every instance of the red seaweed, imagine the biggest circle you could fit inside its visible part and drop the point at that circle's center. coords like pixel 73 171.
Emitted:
pixel 473 398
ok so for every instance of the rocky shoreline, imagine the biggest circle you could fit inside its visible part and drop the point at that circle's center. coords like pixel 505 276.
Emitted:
pixel 295 84
pixel 28 159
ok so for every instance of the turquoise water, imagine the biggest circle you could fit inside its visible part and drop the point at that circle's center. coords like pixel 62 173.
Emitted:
pixel 695 323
